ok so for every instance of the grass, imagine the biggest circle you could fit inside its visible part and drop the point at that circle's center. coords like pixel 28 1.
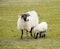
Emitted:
pixel 48 11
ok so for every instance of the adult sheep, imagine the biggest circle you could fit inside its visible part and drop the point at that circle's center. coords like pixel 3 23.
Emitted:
pixel 27 21
pixel 40 30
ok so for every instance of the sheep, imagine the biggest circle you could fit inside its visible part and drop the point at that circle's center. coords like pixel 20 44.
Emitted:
pixel 40 30
pixel 27 21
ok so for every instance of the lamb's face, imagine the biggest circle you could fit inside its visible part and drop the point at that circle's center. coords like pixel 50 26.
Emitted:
pixel 24 16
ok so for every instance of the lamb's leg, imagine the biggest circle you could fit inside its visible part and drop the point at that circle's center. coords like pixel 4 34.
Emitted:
pixel 42 34
pixel 36 36
pixel 31 34
pixel 21 34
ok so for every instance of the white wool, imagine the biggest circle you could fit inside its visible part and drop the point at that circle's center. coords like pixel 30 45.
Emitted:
pixel 33 21
pixel 40 27
pixel 21 24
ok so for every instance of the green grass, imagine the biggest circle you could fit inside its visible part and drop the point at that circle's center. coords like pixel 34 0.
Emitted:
pixel 48 11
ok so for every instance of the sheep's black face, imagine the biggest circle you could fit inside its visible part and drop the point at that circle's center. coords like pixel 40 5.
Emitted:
pixel 24 16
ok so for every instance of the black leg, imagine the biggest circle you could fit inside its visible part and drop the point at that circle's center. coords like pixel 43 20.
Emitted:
pixel 31 31
pixel 31 34
pixel 42 34
pixel 36 36
pixel 21 34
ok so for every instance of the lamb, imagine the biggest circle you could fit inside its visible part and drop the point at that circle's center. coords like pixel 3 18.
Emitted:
pixel 27 21
pixel 40 30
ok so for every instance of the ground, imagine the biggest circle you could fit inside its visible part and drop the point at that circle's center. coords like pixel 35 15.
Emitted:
pixel 48 10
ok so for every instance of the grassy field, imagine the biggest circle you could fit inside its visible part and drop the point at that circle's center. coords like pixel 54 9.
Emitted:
pixel 48 10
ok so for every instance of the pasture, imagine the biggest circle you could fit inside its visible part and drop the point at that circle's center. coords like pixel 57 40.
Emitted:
pixel 48 10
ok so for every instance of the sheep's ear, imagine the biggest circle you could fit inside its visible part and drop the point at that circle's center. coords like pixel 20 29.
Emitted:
pixel 28 14
pixel 20 15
